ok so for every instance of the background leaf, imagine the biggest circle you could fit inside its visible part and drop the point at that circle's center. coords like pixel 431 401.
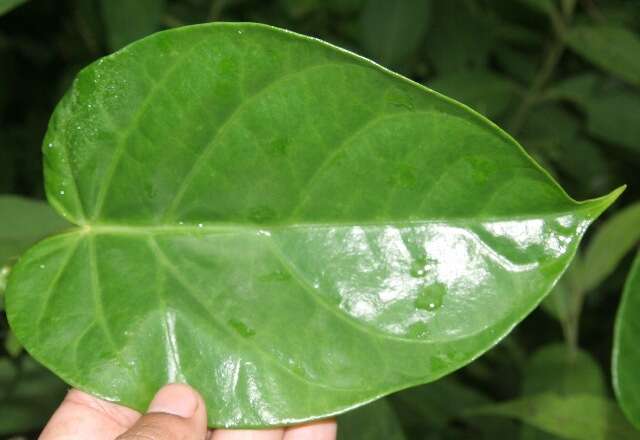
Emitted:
pixel 492 99
pixel 28 395
pixel 127 21
pixel 22 223
pixel 626 355
pixel 611 117
pixel 374 421
pixel 611 242
pixel 554 368
pixel 458 39
pixel 392 31
pixel 557 369
pixel 612 48
pixel 8 5
pixel 588 150
pixel 543 6
pixel 576 416
pixel 438 408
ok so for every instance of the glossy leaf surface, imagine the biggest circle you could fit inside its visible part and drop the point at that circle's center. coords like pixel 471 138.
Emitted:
pixel 288 227
pixel 626 354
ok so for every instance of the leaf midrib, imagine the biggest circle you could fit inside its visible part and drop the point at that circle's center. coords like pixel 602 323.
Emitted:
pixel 588 210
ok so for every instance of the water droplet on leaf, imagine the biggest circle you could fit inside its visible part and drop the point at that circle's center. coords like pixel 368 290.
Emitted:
pixel 406 176
pixel 278 147
pixel 418 330
pixel 431 297
pixel 241 328
pixel 400 99
pixel 418 268
pixel 262 214
pixel 277 276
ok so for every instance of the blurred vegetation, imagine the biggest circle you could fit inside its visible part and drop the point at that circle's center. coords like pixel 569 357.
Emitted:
pixel 562 76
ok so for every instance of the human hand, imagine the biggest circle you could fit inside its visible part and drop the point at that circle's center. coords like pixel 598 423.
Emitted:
pixel 177 412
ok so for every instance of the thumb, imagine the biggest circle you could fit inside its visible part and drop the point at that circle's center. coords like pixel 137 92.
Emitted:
pixel 176 412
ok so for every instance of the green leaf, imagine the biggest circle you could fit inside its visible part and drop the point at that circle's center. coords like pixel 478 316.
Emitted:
pixel 374 421
pixel 288 227
pixel 610 243
pixel 516 64
pixel 12 345
pixel 9 5
pixel 546 7
pixel 392 31
pixel 299 8
pixel 564 300
pixel 611 111
pixel 437 405
pixel 612 48
pixel 577 416
pixel 612 117
pixel 578 89
pixel 458 39
pixel 626 355
pixel 551 123
pixel 482 90
pixel 344 6
pixel 22 223
pixel 4 274
pixel 584 161
pixel 126 21
pixel 554 368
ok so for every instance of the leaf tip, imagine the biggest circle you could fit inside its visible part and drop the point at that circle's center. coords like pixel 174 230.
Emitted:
pixel 600 204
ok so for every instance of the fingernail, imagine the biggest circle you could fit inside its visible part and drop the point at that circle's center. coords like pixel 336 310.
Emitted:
pixel 176 399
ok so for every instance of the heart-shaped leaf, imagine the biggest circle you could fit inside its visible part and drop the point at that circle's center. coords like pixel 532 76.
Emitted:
pixel 286 226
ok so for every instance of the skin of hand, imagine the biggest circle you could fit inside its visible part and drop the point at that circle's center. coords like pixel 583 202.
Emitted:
pixel 177 412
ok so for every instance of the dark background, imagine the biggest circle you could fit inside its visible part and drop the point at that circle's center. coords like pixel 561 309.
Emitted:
pixel 570 96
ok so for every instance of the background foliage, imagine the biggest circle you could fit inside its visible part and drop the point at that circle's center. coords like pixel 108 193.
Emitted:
pixel 563 77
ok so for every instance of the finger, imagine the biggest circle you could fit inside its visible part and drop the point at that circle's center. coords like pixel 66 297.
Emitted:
pixel 83 416
pixel 321 430
pixel 176 412
pixel 244 434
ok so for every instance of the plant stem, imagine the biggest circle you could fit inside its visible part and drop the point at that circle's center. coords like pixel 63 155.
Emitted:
pixel 559 23
pixel 532 95
pixel 573 325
